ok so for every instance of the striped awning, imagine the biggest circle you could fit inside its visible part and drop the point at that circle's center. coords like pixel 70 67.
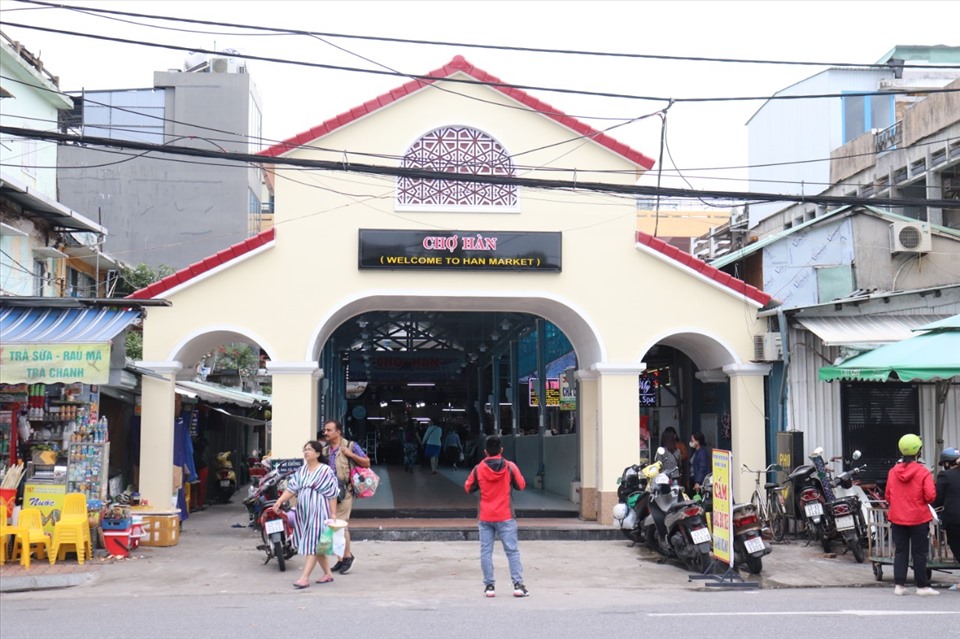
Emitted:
pixel 26 325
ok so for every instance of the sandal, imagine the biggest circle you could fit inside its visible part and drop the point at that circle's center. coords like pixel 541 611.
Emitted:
pixel 324 580
pixel 300 585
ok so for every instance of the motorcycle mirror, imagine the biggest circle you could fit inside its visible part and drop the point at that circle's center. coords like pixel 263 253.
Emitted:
pixel 661 450
pixel 818 450
pixel 856 454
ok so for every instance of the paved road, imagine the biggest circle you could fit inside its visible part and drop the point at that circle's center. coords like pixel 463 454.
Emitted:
pixel 546 614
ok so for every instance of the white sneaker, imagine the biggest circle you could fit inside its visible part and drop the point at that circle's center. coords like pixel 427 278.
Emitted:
pixel 900 590
pixel 927 592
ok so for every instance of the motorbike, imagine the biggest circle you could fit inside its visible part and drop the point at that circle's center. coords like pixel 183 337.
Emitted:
pixel 849 510
pixel 748 545
pixel 226 477
pixel 676 526
pixel 810 496
pixel 259 485
pixel 276 529
pixel 633 499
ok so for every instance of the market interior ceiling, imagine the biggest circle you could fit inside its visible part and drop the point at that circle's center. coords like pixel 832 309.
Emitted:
pixel 386 351
pixel 441 353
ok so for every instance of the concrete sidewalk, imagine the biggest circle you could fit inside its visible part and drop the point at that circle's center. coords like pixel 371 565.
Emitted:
pixel 214 557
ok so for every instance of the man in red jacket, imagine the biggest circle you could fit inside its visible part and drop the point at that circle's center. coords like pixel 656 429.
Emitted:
pixel 495 478
pixel 910 490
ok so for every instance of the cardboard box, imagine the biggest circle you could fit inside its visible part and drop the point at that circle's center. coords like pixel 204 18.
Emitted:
pixel 160 530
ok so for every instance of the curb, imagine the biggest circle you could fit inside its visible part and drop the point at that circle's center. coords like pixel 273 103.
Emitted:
pixel 44 582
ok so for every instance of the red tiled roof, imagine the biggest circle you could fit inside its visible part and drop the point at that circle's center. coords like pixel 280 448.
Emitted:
pixel 197 268
pixel 704 269
pixel 458 64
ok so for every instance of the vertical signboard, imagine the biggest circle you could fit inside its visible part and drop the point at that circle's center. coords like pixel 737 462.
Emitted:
pixel 48 499
pixel 722 506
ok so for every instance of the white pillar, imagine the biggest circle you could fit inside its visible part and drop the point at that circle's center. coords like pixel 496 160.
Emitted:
pixel 294 407
pixel 156 434
pixel 748 423
pixel 587 428
pixel 618 427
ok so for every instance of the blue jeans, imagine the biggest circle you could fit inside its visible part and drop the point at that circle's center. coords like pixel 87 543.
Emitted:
pixel 507 530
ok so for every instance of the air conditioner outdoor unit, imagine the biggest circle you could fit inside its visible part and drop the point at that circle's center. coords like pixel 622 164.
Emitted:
pixel 910 237
pixel 219 65
pixel 767 347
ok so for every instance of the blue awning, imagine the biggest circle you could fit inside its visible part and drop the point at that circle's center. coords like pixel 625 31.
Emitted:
pixel 32 325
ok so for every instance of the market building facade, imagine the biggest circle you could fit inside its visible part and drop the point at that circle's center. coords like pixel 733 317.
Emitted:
pixel 349 244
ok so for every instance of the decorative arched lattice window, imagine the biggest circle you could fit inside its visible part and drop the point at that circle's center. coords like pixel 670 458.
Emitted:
pixel 457 149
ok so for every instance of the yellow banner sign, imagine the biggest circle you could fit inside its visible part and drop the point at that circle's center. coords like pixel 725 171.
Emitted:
pixel 54 363
pixel 48 499
pixel 722 506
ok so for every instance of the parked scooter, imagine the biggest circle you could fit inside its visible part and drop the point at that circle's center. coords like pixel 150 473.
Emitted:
pixel 849 510
pixel 676 527
pixel 226 477
pixel 276 529
pixel 809 502
pixel 634 499
pixel 259 485
pixel 748 545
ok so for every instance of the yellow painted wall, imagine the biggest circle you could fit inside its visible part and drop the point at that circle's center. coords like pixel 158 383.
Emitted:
pixel 611 299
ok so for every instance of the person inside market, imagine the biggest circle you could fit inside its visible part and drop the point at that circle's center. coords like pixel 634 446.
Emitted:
pixel 700 461
pixel 182 455
pixel 342 455
pixel 200 463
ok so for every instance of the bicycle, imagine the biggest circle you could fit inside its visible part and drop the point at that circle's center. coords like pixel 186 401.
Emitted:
pixel 770 505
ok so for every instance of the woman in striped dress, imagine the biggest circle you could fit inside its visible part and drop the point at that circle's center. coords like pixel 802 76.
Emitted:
pixel 315 486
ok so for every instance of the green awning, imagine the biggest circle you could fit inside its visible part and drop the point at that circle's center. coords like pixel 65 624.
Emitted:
pixel 930 356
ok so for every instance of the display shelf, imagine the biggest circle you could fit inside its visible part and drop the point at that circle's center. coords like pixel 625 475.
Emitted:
pixel 87 468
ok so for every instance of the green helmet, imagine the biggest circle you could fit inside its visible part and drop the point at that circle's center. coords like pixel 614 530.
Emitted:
pixel 910 445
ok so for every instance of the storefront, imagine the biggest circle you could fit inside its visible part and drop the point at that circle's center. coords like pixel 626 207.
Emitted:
pixel 54 438
pixel 572 257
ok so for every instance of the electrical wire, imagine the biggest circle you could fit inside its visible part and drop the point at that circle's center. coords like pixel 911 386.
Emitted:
pixel 474 178
pixel 474 82
pixel 579 52
pixel 542 167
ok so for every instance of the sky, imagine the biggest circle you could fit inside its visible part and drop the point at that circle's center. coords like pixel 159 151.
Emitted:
pixel 699 136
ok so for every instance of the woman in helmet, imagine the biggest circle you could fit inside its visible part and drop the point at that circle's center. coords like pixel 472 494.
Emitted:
pixel 948 497
pixel 910 490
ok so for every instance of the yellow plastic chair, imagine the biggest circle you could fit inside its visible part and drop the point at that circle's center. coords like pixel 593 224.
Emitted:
pixel 32 534
pixel 73 522
pixel 6 530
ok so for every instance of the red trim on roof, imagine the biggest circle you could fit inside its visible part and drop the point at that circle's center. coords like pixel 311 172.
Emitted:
pixel 198 268
pixel 458 64
pixel 705 269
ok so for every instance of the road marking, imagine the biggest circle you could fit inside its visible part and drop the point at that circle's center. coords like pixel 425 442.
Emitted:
pixel 854 613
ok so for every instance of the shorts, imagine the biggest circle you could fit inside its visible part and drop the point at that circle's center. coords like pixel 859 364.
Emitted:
pixel 345 507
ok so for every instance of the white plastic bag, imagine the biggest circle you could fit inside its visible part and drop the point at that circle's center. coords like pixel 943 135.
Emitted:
pixel 339 542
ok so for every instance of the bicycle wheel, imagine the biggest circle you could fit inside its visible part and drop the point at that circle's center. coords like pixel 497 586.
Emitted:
pixel 757 502
pixel 778 518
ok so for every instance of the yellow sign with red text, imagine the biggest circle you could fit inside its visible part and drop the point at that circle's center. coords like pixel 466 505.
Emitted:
pixel 722 506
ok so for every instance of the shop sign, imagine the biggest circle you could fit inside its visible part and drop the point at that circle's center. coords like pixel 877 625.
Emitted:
pixel 409 366
pixel 55 363
pixel 460 250
pixel 722 506
pixel 568 394
pixel 48 499
pixel 553 392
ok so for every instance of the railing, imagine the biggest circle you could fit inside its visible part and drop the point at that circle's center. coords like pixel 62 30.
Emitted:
pixel 889 138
